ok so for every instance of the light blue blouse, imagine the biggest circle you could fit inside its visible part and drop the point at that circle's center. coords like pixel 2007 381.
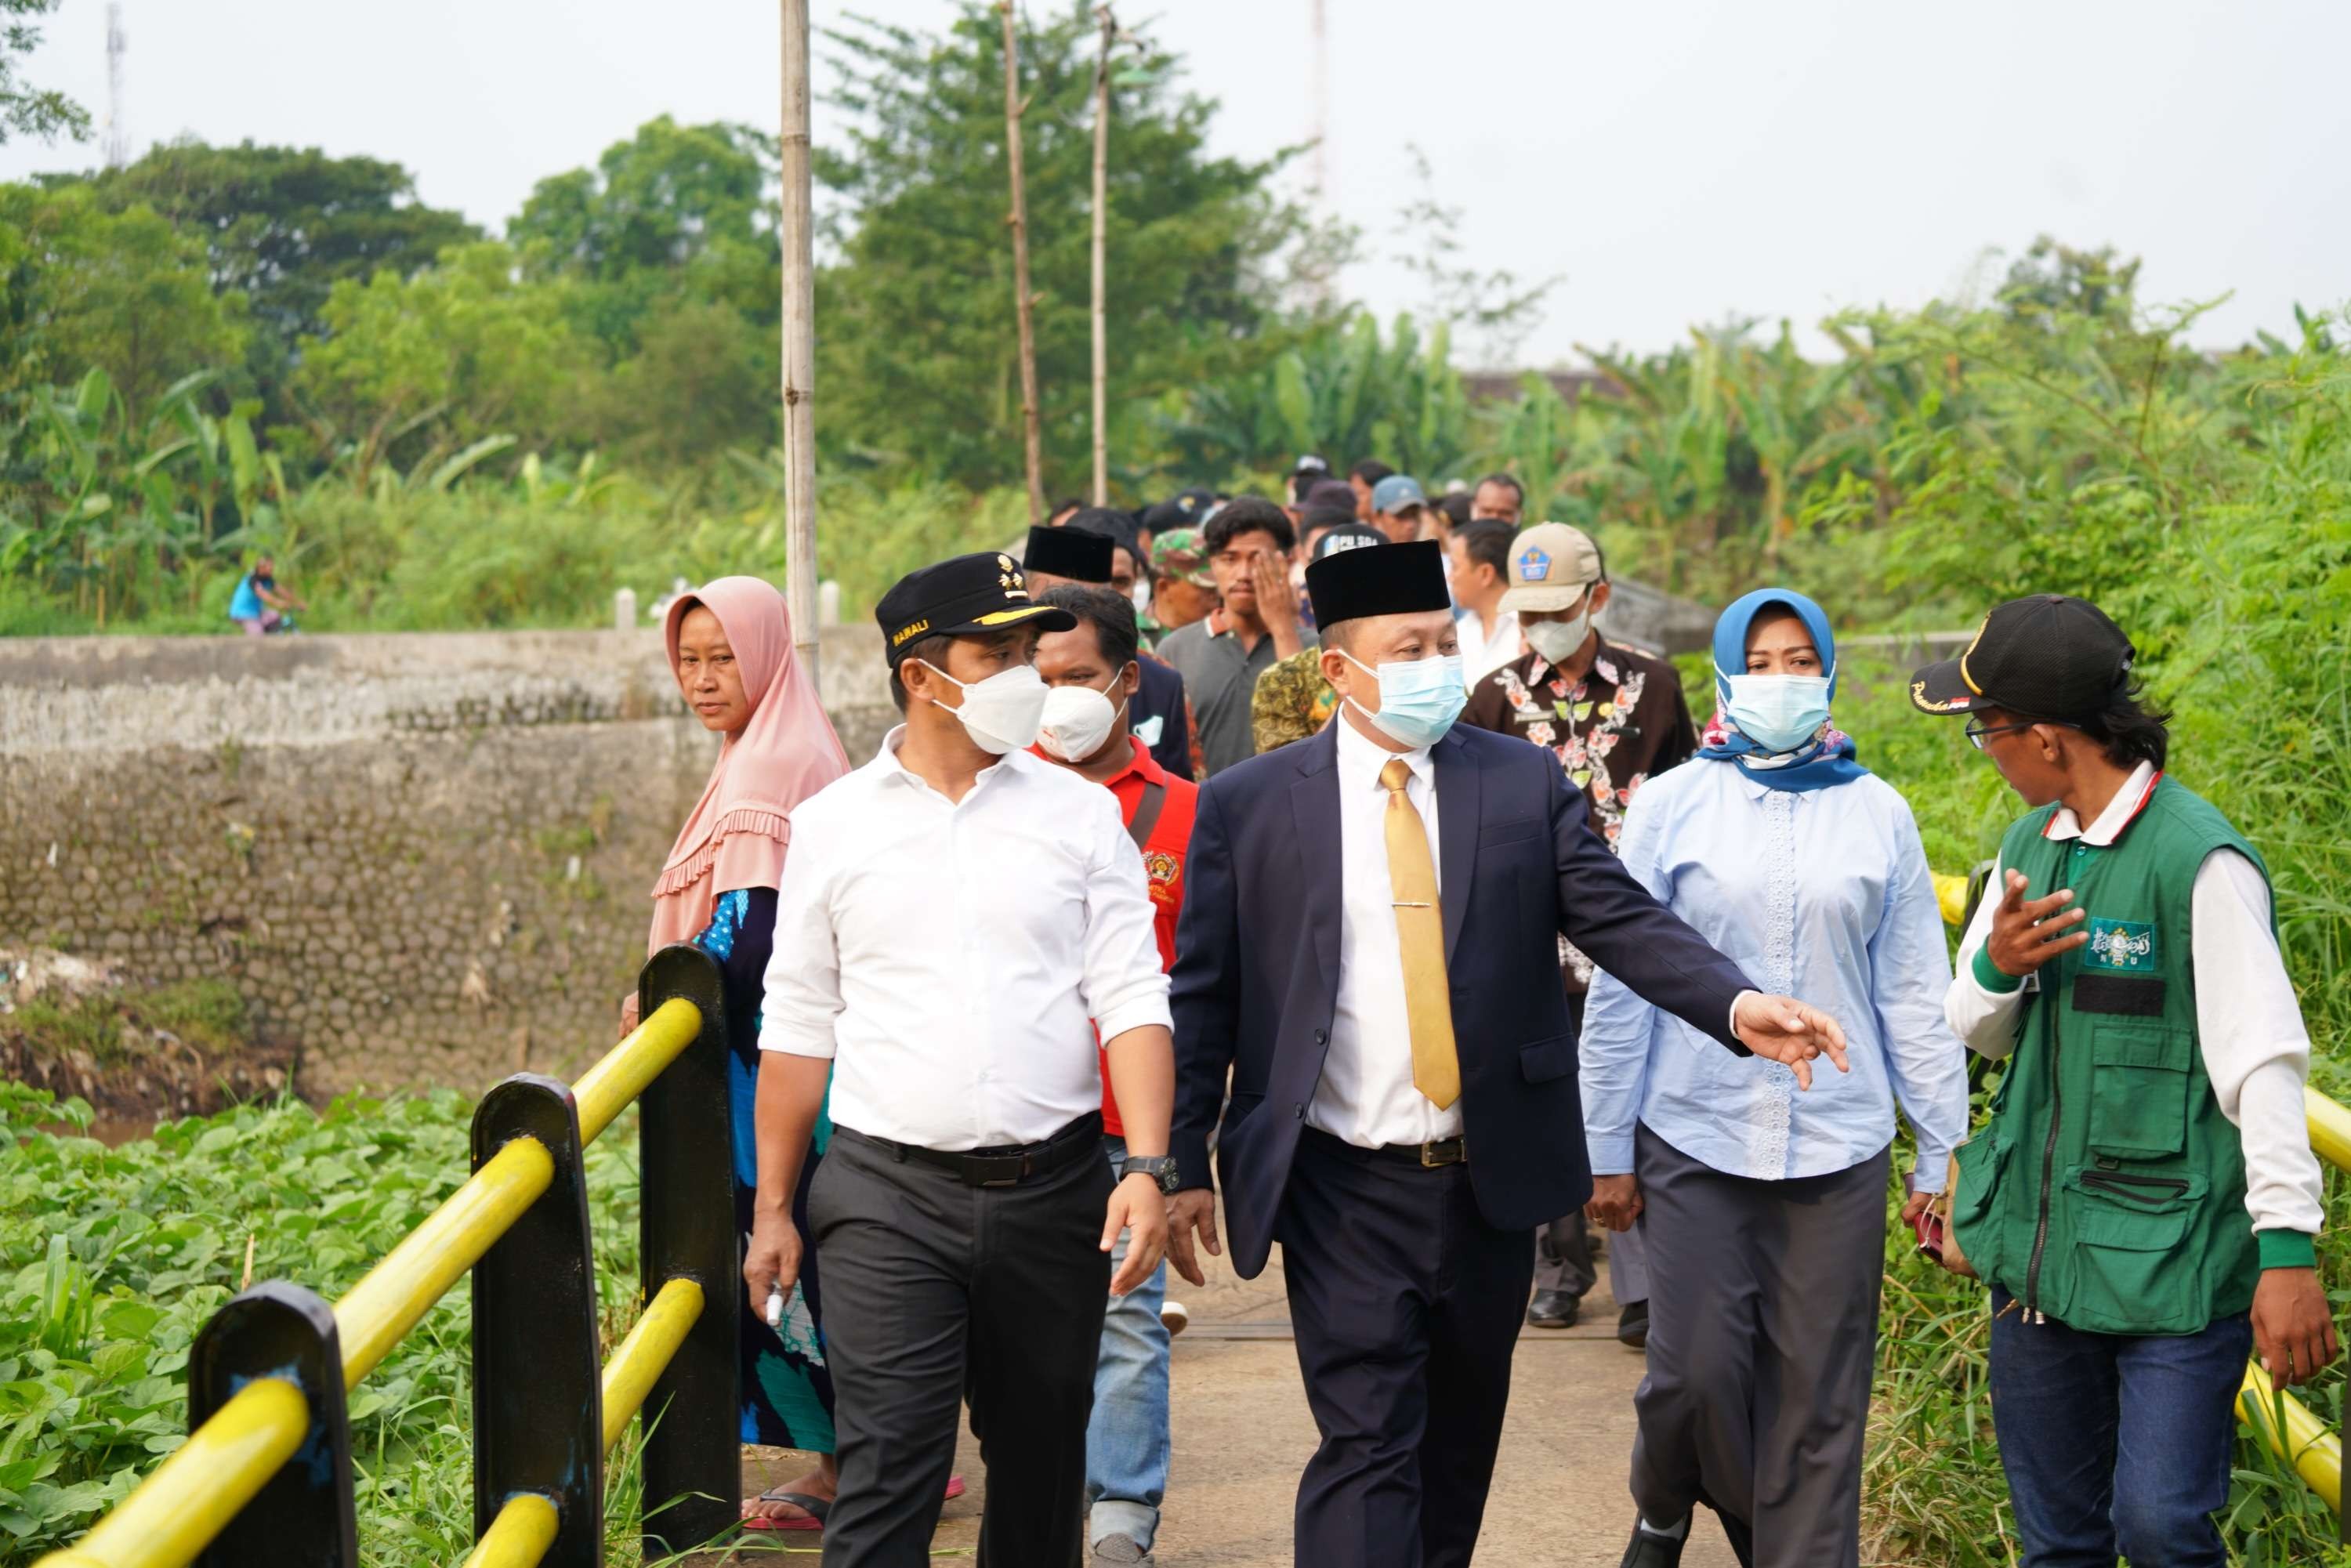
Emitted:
pixel 1823 894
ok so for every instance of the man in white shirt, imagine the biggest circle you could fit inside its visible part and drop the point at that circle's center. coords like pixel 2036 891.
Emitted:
pixel 950 917
pixel 1480 578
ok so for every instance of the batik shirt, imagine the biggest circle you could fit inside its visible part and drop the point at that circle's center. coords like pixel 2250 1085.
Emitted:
pixel 1613 731
pixel 1291 702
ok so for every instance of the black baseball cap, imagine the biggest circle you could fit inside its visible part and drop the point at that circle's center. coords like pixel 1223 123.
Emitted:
pixel 1179 511
pixel 2048 656
pixel 964 595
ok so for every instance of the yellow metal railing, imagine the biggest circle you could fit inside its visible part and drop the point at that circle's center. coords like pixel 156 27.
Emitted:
pixel 195 1494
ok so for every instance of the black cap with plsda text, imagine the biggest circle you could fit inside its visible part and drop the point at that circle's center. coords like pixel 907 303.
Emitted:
pixel 965 595
pixel 2049 656
pixel 1074 552
pixel 1394 580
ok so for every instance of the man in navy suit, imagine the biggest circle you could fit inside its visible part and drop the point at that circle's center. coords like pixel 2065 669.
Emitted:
pixel 1404 1106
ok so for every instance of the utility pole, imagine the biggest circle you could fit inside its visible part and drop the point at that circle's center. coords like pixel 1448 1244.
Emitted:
pixel 117 129
pixel 1022 302
pixel 796 221
pixel 1102 221
pixel 1319 99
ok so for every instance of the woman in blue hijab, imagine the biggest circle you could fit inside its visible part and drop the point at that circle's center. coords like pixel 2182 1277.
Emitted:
pixel 1764 1209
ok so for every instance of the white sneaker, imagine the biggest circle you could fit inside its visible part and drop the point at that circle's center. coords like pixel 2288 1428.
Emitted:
pixel 1175 1317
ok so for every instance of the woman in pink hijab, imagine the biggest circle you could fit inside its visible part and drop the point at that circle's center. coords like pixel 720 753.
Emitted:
pixel 730 646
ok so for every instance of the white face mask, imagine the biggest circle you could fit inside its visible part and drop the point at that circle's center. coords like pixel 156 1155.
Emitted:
pixel 1078 719
pixel 1001 713
pixel 1558 640
pixel 1777 713
pixel 1142 596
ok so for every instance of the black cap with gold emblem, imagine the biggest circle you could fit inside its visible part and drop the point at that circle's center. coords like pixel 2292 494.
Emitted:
pixel 964 595
pixel 2048 656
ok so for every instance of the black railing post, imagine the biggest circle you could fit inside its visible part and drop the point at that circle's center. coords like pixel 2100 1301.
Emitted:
pixel 693 1455
pixel 303 1517
pixel 538 1406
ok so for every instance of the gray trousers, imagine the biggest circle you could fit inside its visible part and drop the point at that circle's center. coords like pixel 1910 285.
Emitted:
pixel 1762 1334
pixel 1564 1260
pixel 937 1294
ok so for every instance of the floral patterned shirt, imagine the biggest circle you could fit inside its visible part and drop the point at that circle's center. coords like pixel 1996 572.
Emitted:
pixel 1613 731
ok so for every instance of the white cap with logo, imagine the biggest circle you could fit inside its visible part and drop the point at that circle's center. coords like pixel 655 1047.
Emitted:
pixel 1552 566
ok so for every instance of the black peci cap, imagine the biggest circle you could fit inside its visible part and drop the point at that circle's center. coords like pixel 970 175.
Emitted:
pixel 1397 580
pixel 1075 552
pixel 2049 656
pixel 964 595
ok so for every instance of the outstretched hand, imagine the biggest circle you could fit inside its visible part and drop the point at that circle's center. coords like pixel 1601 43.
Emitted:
pixel 1782 1029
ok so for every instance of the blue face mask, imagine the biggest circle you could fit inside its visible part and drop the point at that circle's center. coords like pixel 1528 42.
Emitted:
pixel 1420 698
pixel 1777 713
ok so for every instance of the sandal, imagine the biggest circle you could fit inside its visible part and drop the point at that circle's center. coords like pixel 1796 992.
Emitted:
pixel 813 1510
pixel 816 1510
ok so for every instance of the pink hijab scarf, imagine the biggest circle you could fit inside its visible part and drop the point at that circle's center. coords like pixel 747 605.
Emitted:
pixel 738 832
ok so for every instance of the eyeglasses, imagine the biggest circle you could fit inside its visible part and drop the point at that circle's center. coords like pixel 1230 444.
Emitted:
pixel 1976 736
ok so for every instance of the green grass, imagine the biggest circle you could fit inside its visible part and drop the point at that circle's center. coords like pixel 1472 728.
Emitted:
pixel 115 1027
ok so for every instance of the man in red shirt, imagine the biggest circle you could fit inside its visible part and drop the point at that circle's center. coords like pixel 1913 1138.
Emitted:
pixel 1093 672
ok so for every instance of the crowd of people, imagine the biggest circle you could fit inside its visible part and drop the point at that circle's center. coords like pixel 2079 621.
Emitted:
pixel 1319 871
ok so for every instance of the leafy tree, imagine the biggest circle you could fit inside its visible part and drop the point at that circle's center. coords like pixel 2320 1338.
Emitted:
pixel 459 352
pixel 26 110
pixel 673 213
pixel 125 292
pixel 917 355
pixel 703 382
pixel 282 226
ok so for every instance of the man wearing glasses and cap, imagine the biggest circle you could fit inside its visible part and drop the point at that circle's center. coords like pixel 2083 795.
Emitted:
pixel 953 921
pixel 2144 1201
pixel 1362 911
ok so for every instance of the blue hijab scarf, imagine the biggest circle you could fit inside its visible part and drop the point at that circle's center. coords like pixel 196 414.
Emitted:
pixel 1826 759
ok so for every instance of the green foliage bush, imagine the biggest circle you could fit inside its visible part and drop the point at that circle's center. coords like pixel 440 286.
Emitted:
pixel 111 1260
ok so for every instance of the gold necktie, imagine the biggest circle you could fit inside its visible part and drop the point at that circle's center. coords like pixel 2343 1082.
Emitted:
pixel 1420 942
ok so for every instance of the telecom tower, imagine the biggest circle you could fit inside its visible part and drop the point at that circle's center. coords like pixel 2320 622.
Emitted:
pixel 118 132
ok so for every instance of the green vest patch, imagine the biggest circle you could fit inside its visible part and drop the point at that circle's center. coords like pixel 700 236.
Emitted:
pixel 2126 946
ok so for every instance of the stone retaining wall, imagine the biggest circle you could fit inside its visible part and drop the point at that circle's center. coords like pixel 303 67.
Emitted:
pixel 423 859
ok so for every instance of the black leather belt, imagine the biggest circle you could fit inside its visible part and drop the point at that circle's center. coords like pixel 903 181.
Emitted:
pixel 1009 1164
pixel 1433 1155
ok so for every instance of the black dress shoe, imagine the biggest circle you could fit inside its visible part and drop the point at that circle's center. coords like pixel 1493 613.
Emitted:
pixel 1650 1550
pixel 1554 1310
pixel 1633 1326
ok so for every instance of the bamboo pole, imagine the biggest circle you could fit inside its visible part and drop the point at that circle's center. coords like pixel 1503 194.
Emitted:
pixel 1022 302
pixel 796 224
pixel 1102 223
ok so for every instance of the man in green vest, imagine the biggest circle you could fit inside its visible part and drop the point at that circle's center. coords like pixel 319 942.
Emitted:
pixel 2143 1200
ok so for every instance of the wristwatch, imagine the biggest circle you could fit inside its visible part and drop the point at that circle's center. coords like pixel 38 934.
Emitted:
pixel 1160 1168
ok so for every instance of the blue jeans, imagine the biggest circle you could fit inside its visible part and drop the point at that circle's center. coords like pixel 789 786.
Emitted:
pixel 2116 1443
pixel 1126 1440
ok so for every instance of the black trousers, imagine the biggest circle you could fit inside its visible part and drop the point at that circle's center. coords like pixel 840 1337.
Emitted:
pixel 938 1292
pixel 1406 1305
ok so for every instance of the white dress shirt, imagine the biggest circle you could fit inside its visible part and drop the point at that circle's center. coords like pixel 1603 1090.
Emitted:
pixel 1366 1096
pixel 1485 649
pixel 1823 895
pixel 949 956
pixel 2248 1020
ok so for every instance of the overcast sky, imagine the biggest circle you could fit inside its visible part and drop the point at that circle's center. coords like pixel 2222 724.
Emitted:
pixel 1677 161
